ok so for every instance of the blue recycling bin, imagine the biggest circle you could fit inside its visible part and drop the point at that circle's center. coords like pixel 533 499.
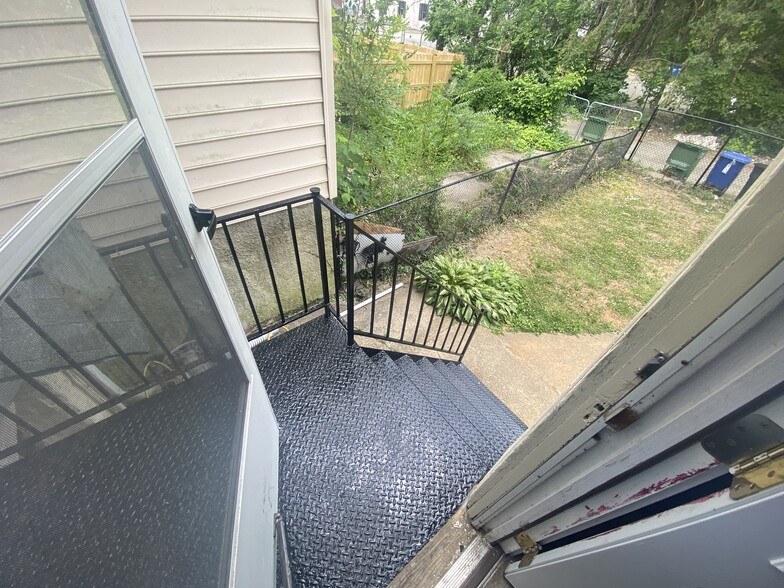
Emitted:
pixel 727 168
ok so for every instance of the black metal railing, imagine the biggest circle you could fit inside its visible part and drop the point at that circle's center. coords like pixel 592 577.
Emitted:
pixel 280 256
pixel 448 327
pixel 321 273
pixel 318 266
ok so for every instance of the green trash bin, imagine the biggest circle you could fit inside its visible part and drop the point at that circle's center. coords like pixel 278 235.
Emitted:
pixel 595 128
pixel 683 159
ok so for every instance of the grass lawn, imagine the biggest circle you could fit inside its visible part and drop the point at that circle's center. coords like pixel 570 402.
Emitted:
pixel 593 259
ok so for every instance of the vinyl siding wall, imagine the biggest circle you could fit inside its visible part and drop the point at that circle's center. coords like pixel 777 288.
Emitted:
pixel 246 88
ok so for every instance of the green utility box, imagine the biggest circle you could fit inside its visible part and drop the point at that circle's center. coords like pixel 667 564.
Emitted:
pixel 683 159
pixel 595 128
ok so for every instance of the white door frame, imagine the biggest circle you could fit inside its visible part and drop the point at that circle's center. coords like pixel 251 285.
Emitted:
pixel 253 548
pixel 716 543
pixel 741 252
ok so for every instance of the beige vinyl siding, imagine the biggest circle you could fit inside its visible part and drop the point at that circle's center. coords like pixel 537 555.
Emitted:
pixel 57 101
pixel 241 84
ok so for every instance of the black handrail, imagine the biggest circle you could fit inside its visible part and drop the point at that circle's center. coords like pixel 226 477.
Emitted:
pixel 345 224
pixel 465 314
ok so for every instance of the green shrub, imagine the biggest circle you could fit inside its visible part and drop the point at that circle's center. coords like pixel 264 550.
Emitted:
pixel 605 86
pixel 529 99
pixel 489 284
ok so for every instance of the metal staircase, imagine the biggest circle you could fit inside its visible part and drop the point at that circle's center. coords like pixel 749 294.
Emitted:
pixel 377 451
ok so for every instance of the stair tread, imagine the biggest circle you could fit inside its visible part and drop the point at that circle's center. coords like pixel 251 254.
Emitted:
pixel 363 455
pixel 477 419
pixel 457 419
pixel 503 419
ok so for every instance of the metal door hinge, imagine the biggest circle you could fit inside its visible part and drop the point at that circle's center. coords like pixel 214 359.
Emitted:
pixel 529 546
pixel 652 366
pixel 753 447
pixel 759 473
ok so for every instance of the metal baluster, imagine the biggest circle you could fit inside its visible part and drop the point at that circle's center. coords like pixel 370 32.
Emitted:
pixel 432 314
pixel 316 192
pixel 392 294
pixel 471 336
pixel 297 259
pixel 451 323
pixel 335 259
pixel 408 303
pixel 421 308
pixel 441 322
pixel 350 278
pixel 269 266
pixel 373 289
pixel 463 307
pixel 242 275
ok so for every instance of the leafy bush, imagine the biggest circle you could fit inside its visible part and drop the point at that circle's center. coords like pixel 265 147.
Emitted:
pixel 529 99
pixel 489 284
pixel 605 86
pixel 418 146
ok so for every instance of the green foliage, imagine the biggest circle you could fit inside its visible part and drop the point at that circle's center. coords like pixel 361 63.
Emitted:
pixel 735 68
pixel 366 88
pixel 416 147
pixel 605 86
pixel 528 138
pixel 514 36
pixel 528 99
pixel 489 284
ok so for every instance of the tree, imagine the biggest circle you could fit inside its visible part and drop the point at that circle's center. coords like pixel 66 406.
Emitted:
pixel 735 67
pixel 515 36
pixel 365 67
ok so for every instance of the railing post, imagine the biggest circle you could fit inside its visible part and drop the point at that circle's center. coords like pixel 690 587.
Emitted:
pixel 321 249
pixel 471 336
pixel 508 187
pixel 645 130
pixel 588 161
pixel 349 244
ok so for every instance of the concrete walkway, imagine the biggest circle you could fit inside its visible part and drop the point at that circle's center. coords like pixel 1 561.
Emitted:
pixel 526 372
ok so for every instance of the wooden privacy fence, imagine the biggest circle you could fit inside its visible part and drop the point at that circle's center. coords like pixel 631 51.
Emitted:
pixel 426 69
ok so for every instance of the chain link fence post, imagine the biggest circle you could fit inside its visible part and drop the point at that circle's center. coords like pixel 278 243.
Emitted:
pixel 508 187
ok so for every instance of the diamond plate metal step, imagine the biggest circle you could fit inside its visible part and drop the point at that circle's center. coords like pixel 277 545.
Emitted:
pixel 500 417
pixel 376 454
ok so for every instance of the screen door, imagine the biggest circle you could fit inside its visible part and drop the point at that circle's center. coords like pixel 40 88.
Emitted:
pixel 137 445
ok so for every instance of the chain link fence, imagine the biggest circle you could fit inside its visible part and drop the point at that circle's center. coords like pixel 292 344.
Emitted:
pixel 593 121
pixel 575 109
pixel 689 148
pixel 458 210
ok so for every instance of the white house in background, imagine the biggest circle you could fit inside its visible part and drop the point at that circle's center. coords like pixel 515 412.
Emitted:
pixel 414 13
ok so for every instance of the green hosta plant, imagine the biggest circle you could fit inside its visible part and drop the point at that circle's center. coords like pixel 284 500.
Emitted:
pixel 489 284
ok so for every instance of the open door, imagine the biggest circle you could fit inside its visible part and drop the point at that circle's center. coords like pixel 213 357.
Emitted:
pixel 663 465
pixel 137 443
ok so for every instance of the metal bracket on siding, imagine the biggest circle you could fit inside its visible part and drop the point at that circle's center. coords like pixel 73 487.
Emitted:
pixel 204 218
pixel 753 447
pixel 529 546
